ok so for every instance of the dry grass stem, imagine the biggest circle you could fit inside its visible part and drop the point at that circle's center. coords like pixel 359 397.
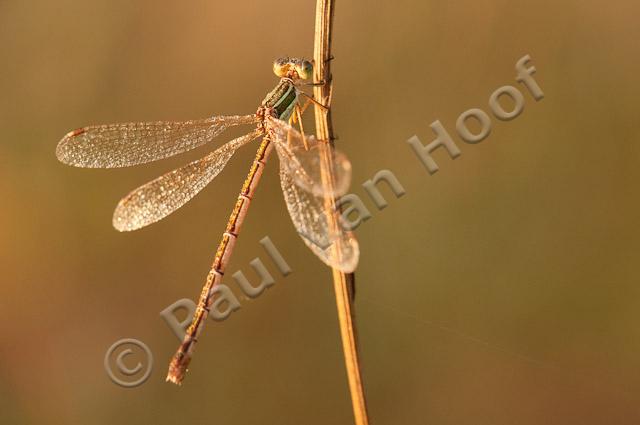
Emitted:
pixel 343 282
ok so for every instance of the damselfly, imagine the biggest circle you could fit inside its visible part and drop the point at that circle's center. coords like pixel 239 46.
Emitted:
pixel 310 173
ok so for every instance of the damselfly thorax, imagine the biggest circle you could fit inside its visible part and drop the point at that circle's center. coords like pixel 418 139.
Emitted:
pixel 282 99
pixel 311 172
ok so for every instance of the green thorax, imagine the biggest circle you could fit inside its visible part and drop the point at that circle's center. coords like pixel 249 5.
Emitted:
pixel 282 98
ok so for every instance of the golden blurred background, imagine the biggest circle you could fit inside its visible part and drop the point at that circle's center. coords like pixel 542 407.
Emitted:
pixel 501 290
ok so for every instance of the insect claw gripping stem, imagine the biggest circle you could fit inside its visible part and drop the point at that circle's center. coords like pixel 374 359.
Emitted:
pixel 311 99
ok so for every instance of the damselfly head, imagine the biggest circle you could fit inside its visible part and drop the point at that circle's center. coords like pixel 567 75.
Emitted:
pixel 293 68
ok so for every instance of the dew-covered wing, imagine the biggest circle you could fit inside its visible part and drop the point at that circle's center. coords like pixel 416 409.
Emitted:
pixel 162 196
pixel 123 145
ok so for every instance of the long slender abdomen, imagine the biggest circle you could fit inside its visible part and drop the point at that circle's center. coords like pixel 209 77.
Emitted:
pixel 180 361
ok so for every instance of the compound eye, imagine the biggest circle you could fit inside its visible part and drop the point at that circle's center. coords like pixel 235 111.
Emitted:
pixel 280 67
pixel 305 69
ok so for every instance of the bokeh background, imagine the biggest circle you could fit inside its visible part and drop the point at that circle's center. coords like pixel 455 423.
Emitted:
pixel 501 290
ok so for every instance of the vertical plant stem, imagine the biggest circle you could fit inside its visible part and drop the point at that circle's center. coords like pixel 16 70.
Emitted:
pixel 344 283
